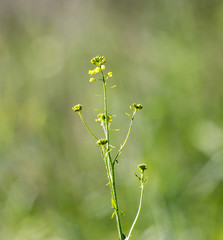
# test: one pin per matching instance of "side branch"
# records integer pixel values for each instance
(87, 126)
(126, 139)
(139, 208)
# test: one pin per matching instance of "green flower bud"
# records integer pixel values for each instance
(102, 118)
(137, 107)
(142, 167)
(101, 142)
(77, 108)
(98, 60)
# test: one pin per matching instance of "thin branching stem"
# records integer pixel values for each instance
(107, 169)
(110, 165)
(87, 126)
(109, 162)
(139, 208)
(126, 139)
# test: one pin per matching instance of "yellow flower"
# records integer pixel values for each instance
(102, 67)
(98, 60)
(92, 80)
(91, 72)
(97, 69)
(110, 74)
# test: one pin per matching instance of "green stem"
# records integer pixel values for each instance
(139, 209)
(87, 126)
(109, 162)
(118, 219)
(126, 139)
(108, 172)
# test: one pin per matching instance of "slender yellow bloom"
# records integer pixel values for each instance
(110, 74)
(97, 69)
(92, 80)
(91, 72)
(102, 67)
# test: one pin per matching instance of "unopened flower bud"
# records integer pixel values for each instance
(142, 167)
(77, 108)
(91, 72)
(98, 60)
(101, 142)
(137, 107)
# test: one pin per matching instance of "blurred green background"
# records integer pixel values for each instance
(166, 55)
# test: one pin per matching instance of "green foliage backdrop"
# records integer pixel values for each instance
(166, 55)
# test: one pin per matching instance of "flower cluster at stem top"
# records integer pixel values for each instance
(142, 167)
(98, 61)
(77, 108)
(137, 107)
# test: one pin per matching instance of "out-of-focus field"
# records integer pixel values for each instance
(166, 55)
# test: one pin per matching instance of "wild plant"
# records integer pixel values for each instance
(111, 162)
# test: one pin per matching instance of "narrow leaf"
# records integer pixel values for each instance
(137, 176)
(98, 110)
(121, 212)
(145, 180)
(113, 204)
(113, 214)
(109, 150)
(113, 86)
(127, 114)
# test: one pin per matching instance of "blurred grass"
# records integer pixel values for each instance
(163, 54)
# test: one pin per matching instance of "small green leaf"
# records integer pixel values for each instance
(145, 180)
(98, 95)
(98, 110)
(113, 214)
(137, 176)
(113, 204)
(111, 146)
(127, 114)
(121, 213)
(113, 86)
(109, 150)
(116, 130)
